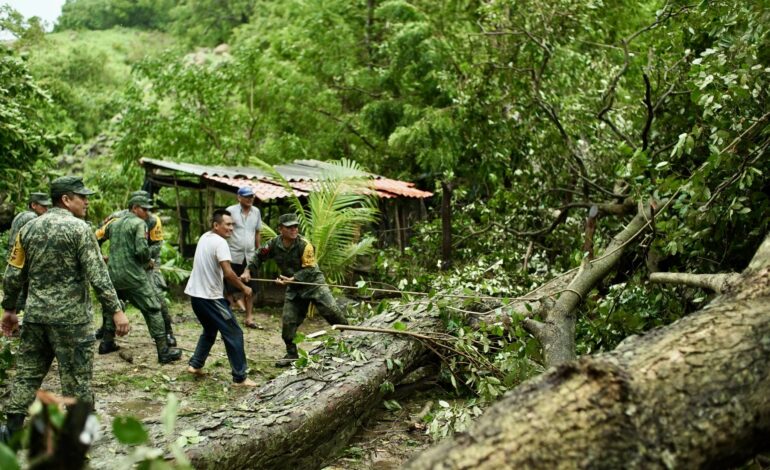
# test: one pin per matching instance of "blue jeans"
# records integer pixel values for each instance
(215, 316)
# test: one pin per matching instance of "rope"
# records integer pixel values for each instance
(396, 291)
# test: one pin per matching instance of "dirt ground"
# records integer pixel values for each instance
(131, 382)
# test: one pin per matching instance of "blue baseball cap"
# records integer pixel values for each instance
(246, 191)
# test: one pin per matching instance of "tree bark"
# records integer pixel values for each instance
(690, 395)
(302, 418)
(446, 224)
(719, 283)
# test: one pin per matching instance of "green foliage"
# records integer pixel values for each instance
(175, 268)
(85, 72)
(29, 130)
(451, 418)
(8, 458)
(334, 218)
(106, 14)
(130, 431)
(25, 31)
(209, 22)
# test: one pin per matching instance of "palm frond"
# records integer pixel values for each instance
(338, 208)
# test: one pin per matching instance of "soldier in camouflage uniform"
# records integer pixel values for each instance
(57, 256)
(295, 258)
(128, 263)
(38, 205)
(155, 239)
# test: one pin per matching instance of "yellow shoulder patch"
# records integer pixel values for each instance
(156, 234)
(308, 256)
(101, 232)
(17, 257)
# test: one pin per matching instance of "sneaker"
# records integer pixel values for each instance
(106, 347)
(286, 360)
(248, 383)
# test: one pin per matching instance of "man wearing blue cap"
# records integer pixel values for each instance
(243, 243)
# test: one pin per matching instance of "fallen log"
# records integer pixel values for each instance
(689, 395)
(304, 417)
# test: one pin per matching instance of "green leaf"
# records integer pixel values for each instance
(8, 458)
(168, 417)
(128, 430)
(399, 326)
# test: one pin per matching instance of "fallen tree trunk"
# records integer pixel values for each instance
(689, 395)
(302, 418)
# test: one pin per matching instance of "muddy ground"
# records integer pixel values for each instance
(133, 383)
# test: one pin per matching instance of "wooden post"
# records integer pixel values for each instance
(398, 226)
(210, 194)
(181, 236)
(201, 210)
(446, 224)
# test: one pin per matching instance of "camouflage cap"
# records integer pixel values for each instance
(288, 220)
(140, 201)
(69, 184)
(40, 198)
(141, 192)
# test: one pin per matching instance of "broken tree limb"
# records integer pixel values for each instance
(718, 283)
(689, 395)
(557, 299)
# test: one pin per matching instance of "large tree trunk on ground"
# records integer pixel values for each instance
(302, 418)
(690, 395)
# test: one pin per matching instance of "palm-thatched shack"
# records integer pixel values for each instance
(401, 203)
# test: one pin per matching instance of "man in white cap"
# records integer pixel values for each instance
(243, 244)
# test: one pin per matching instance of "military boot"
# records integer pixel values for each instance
(291, 356)
(107, 345)
(13, 424)
(165, 353)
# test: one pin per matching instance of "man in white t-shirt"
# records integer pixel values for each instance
(247, 222)
(205, 288)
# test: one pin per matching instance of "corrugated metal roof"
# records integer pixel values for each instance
(313, 170)
(213, 170)
(264, 191)
(301, 175)
(399, 188)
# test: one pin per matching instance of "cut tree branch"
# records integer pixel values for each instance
(719, 283)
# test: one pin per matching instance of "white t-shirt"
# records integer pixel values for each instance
(206, 280)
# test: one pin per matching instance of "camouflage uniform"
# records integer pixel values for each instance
(155, 239)
(128, 262)
(298, 261)
(57, 255)
(18, 222)
(129, 258)
(16, 225)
